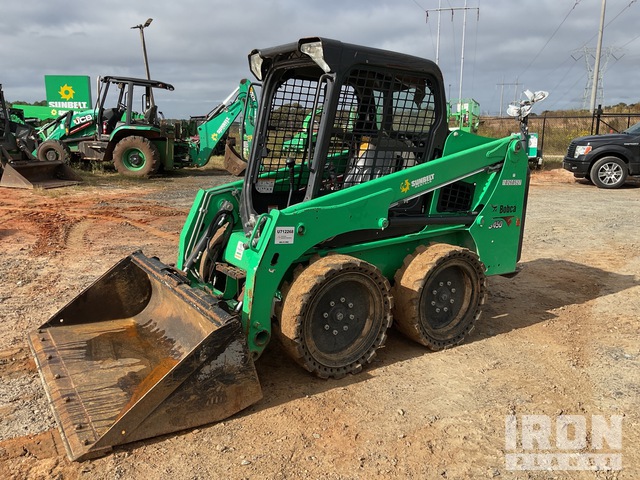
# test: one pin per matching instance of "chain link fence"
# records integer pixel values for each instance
(555, 133)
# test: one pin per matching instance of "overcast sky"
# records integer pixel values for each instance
(201, 47)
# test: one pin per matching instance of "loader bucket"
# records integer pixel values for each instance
(139, 354)
(38, 174)
(232, 162)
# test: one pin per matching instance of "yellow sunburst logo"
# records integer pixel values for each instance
(214, 137)
(66, 92)
(404, 186)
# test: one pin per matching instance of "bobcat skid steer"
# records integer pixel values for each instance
(381, 216)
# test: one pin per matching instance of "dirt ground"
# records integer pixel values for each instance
(561, 338)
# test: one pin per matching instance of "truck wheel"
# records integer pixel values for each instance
(136, 157)
(53, 150)
(609, 172)
(439, 293)
(335, 315)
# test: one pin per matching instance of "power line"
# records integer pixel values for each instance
(515, 92)
(550, 38)
(464, 24)
(608, 23)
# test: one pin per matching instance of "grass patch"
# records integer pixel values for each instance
(552, 162)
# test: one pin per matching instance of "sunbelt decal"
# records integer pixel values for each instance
(419, 182)
(67, 92)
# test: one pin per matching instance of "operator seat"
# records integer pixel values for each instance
(110, 117)
(378, 157)
(151, 115)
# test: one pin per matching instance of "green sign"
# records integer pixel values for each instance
(68, 92)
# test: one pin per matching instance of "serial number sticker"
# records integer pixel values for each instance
(265, 185)
(239, 250)
(516, 182)
(285, 235)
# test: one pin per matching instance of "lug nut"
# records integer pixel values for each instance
(350, 305)
(335, 332)
(327, 327)
(342, 300)
(332, 303)
(345, 328)
(351, 317)
(325, 315)
(340, 316)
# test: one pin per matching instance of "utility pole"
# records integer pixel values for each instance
(141, 27)
(149, 99)
(438, 34)
(596, 66)
(502, 85)
(452, 10)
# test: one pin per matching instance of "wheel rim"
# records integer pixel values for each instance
(51, 155)
(610, 173)
(340, 319)
(446, 299)
(133, 159)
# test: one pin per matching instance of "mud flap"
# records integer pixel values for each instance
(38, 174)
(138, 354)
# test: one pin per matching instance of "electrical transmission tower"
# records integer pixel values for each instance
(589, 55)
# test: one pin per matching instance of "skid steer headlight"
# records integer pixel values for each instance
(582, 150)
(255, 65)
(314, 50)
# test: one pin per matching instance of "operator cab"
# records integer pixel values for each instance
(119, 98)
(366, 111)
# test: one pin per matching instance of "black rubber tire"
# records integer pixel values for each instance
(136, 156)
(53, 150)
(439, 293)
(335, 315)
(608, 172)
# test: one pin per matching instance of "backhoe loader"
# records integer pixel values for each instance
(139, 144)
(18, 167)
(382, 216)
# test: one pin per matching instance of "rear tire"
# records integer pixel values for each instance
(608, 172)
(335, 316)
(53, 150)
(439, 293)
(136, 156)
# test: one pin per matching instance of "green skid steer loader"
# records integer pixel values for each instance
(384, 216)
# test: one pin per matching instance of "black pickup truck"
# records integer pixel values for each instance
(606, 160)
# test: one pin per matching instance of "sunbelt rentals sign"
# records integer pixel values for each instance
(67, 92)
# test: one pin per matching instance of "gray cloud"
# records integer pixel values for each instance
(201, 47)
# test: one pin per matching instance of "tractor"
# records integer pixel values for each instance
(139, 144)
